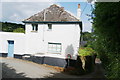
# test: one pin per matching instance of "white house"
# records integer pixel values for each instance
(52, 34)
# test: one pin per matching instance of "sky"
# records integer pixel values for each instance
(16, 12)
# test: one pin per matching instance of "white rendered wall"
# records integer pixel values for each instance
(19, 42)
(37, 42)
(66, 34)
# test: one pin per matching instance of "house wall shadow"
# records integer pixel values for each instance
(69, 50)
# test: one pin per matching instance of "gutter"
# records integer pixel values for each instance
(53, 22)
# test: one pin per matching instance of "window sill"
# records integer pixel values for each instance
(34, 31)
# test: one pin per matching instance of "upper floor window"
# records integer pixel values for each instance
(34, 27)
(49, 26)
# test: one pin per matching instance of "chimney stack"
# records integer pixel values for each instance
(62, 8)
(78, 5)
(78, 12)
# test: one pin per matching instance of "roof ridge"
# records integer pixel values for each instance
(53, 13)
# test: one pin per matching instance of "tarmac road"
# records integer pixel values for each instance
(25, 68)
(17, 68)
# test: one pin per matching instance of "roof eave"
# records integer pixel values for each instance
(53, 22)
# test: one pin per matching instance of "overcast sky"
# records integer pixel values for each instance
(18, 11)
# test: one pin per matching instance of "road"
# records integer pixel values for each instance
(17, 68)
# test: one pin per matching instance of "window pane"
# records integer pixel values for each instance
(50, 26)
(59, 49)
(36, 28)
(32, 27)
(54, 47)
(59, 46)
(50, 45)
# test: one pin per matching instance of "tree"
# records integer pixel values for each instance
(19, 30)
(86, 36)
(9, 27)
(107, 30)
(89, 38)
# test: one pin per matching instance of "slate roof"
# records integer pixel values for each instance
(53, 13)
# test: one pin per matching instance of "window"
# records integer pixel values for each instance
(34, 27)
(54, 47)
(49, 26)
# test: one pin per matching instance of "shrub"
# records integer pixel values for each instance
(87, 56)
(19, 30)
(86, 51)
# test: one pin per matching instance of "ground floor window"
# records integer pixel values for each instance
(54, 47)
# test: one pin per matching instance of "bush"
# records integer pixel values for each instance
(87, 56)
(86, 51)
(19, 30)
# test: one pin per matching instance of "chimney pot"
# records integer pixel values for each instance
(78, 12)
(78, 5)
(62, 7)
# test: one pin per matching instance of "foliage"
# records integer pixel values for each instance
(90, 38)
(106, 28)
(86, 36)
(19, 30)
(87, 56)
(0, 26)
(86, 51)
(10, 27)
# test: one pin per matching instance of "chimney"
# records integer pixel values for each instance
(62, 8)
(78, 12)
(78, 5)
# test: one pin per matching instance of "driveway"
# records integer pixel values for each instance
(17, 68)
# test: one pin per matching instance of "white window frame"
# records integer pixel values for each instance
(54, 47)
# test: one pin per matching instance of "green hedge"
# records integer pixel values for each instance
(106, 25)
